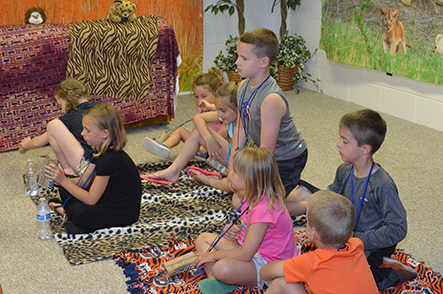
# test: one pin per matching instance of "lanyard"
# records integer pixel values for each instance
(245, 114)
(357, 216)
(221, 235)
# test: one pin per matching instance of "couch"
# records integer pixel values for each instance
(34, 59)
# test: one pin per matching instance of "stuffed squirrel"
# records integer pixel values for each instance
(122, 11)
(35, 15)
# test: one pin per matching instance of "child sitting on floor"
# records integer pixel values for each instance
(338, 264)
(218, 147)
(108, 193)
(381, 217)
(266, 232)
(204, 85)
(64, 133)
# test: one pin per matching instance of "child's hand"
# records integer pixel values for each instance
(215, 150)
(206, 106)
(233, 233)
(54, 173)
(24, 142)
(202, 258)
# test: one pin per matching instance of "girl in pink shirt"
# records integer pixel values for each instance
(266, 232)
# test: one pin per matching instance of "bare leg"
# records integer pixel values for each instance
(188, 152)
(69, 151)
(297, 200)
(279, 286)
(177, 136)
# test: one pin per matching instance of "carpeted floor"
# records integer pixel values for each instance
(411, 154)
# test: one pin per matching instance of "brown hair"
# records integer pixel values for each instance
(72, 90)
(366, 126)
(106, 117)
(212, 80)
(332, 216)
(228, 94)
(258, 169)
(265, 42)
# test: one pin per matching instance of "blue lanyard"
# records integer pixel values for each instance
(364, 192)
(245, 114)
(70, 195)
(221, 236)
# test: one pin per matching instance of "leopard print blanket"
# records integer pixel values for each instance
(182, 210)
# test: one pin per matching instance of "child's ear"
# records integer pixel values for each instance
(264, 62)
(105, 133)
(366, 149)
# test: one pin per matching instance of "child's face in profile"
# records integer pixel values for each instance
(235, 182)
(61, 103)
(248, 64)
(203, 97)
(92, 134)
(348, 146)
(226, 114)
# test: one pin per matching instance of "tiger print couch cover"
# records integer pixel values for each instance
(34, 59)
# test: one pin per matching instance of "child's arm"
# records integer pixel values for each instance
(272, 110)
(272, 270)
(36, 142)
(90, 197)
(253, 240)
(201, 122)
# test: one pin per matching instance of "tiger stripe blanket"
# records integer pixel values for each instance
(144, 268)
(114, 59)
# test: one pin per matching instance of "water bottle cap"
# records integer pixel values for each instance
(42, 199)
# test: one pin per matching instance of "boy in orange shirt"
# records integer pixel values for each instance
(338, 265)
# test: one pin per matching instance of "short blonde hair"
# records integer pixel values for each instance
(106, 117)
(258, 169)
(72, 90)
(332, 216)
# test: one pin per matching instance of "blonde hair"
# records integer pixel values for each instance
(72, 90)
(258, 170)
(212, 80)
(227, 93)
(106, 117)
(332, 216)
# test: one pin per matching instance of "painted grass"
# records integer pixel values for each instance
(351, 42)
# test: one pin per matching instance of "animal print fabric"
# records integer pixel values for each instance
(144, 269)
(114, 59)
(183, 209)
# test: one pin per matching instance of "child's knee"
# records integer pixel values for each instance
(53, 125)
(203, 241)
(222, 270)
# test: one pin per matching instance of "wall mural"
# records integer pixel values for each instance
(185, 16)
(399, 37)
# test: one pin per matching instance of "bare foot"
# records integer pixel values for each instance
(58, 208)
(200, 177)
(165, 174)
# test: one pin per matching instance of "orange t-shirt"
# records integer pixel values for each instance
(332, 271)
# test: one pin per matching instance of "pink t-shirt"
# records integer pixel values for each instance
(279, 241)
(214, 126)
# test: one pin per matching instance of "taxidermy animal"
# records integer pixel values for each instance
(393, 31)
(35, 15)
(122, 11)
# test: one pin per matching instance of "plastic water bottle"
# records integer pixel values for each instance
(217, 166)
(43, 220)
(31, 187)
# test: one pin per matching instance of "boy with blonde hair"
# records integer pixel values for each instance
(264, 117)
(338, 265)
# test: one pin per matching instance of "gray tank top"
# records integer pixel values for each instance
(290, 142)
